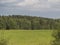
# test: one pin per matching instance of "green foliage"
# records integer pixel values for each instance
(57, 38)
(28, 22)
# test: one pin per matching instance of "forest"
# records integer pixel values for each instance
(25, 30)
(28, 22)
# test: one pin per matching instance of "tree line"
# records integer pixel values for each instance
(28, 22)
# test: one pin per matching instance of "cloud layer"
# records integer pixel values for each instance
(34, 3)
(54, 1)
(37, 4)
(27, 6)
(7, 1)
(40, 3)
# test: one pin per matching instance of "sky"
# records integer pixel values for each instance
(42, 8)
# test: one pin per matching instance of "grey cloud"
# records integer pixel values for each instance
(42, 3)
(55, 5)
(6, 4)
(12, 8)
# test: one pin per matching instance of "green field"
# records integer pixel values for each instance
(27, 37)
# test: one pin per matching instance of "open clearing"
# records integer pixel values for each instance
(27, 37)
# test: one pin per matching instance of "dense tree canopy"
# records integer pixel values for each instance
(28, 22)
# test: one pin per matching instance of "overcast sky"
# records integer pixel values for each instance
(44, 8)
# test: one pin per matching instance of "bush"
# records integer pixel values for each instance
(57, 38)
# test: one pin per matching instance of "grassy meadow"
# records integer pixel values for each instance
(27, 37)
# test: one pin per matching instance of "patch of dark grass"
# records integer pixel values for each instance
(3, 42)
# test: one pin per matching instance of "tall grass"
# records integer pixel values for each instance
(27, 37)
